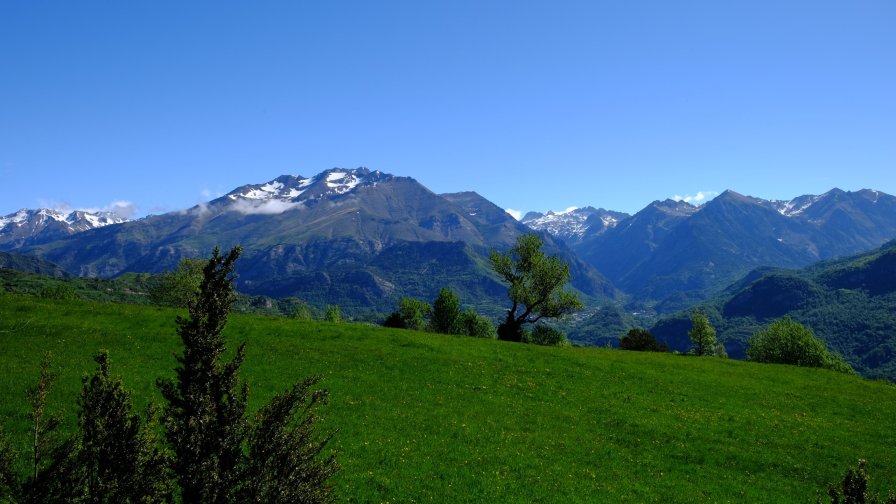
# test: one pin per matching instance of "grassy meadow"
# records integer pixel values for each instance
(431, 418)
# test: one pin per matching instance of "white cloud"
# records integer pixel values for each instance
(516, 214)
(697, 199)
(267, 207)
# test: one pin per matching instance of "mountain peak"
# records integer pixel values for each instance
(288, 191)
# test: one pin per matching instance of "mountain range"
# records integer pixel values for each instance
(674, 253)
(358, 238)
(364, 238)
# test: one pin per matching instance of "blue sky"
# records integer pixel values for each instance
(535, 105)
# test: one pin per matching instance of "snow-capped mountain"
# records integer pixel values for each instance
(289, 191)
(28, 227)
(572, 223)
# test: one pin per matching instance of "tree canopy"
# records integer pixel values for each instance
(536, 285)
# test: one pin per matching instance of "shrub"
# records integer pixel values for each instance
(642, 341)
(473, 324)
(786, 341)
(59, 291)
(543, 334)
(333, 314)
(411, 314)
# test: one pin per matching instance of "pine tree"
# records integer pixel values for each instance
(115, 451)
(205, 416)
(285, 456)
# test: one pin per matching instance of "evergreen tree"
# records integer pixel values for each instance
(285, 456)
(205, 416)
(536, 286)
(446, 313)
(115, 452)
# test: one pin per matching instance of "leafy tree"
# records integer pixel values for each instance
(473, 324)
(703, 336)
(543, 334)
(204, 418)
(411, 314)
(181, 286)
(333, 314)
(445, 317)
(786, 341)
(286, 465)
(642, 341)
(536, 286)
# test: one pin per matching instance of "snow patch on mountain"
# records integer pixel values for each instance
(288, 192)
(571, 223)
(796, 206)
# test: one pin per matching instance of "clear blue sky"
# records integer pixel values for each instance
(535, 105)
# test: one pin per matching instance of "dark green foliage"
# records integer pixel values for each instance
(411, 314)
(473, 324)
(116, 455)
(286, 464)
(9, 484)
(642, 341)
(301, 311)
(205, 416)
(536, 285)
(205, 421)
(786, 341)
(543, 334)
(59, 291)
(333, 314)
(703, 336)
(445, 316)
(181, 286)
(854, 489)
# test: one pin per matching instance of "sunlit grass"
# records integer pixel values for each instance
(422, 417)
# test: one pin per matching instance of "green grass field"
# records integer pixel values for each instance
(431, 418)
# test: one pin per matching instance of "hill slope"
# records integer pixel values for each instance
(848, 302)
(422, 417)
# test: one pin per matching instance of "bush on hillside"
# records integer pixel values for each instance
(543, 334)
(641, 340)
(333, 314)
(59, 291)
(411, 314)
(786, 341)
(473, 324)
